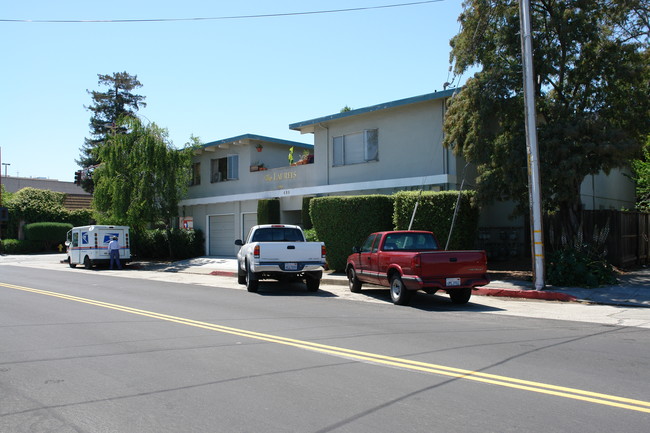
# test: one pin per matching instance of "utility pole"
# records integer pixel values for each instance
(534, 183)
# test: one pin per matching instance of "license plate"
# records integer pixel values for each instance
(292, 267)
(453, 282)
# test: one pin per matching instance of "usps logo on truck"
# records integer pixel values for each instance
(109, 236)
(84, 238)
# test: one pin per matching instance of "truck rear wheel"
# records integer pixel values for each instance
(252, 283)
(460, 296)
(398, 292)
(312, 280)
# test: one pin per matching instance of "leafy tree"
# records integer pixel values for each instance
(641, 168)
(107, 107)
(591, 60)
(142, 177)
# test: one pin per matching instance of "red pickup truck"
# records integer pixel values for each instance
(410, 260)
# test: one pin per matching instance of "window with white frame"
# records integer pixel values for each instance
(222, 169)
(356, 148)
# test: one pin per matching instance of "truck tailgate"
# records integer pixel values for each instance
(437, 264)
(279, 252)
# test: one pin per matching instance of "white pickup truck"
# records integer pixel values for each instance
(280, 252)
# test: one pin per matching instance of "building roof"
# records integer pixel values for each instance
(13, 184)
(255, 139)
(302, 126)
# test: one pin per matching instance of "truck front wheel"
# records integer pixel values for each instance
(252, 283)
(87, 263)
(398, 292)
(460, 296)
(241, 275)
(353, 282)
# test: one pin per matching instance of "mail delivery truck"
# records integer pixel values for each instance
(88, 245)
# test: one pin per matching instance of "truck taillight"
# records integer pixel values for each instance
(415, 262)
(256, 252)
(323, 251)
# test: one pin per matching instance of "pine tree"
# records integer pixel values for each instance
(107, 107)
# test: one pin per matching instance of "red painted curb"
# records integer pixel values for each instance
(223, 273)
(528, 294)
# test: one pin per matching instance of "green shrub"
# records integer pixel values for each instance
(311, 235)
(435, 213)
(268, 211)
(573, 268)
(306, 217)
(47, 234)
(577, 262)
(14, 246)
(158, 244)
(30, 205)
(345, 222)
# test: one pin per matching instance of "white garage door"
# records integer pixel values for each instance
(248, 221)
(222, 235)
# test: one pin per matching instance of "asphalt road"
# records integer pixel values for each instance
(102, 351)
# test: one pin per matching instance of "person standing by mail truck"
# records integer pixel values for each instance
(114, 252)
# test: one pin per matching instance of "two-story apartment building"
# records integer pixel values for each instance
(374, 150)
(379, 149)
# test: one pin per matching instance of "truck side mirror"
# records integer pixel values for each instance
(239, 242)
(356, 249)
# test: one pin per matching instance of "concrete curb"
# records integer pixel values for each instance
(527, 294)
(482, 291)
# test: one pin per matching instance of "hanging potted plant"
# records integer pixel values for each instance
(259, 147)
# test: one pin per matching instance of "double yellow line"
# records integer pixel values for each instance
(407, 364)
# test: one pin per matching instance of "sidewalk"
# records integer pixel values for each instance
(633, 288)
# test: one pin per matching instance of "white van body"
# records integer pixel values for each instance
(88, 245)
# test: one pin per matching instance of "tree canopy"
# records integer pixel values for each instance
(142, 176)
(591, 61)
(107, 107)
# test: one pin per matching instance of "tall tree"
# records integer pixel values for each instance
(142, 176)
(591, 60)
(107, 107)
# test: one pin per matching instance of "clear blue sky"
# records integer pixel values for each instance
(211, 78)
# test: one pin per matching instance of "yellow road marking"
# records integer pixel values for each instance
(459, 373)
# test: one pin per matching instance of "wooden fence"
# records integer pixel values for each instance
(628, 240)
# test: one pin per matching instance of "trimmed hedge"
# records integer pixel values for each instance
(345, 222)
(47, 235)
(155, 244)
(268, 211)
(435, 213)
(14, 246)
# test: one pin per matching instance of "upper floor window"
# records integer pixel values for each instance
(356, 148)
(196, 174)
(224, 168)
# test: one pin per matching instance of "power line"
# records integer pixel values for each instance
(234, 17)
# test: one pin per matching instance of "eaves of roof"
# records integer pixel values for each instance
(386, 105)
(253, 138)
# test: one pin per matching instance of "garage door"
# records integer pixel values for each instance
(248, 221)
(222, 235)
